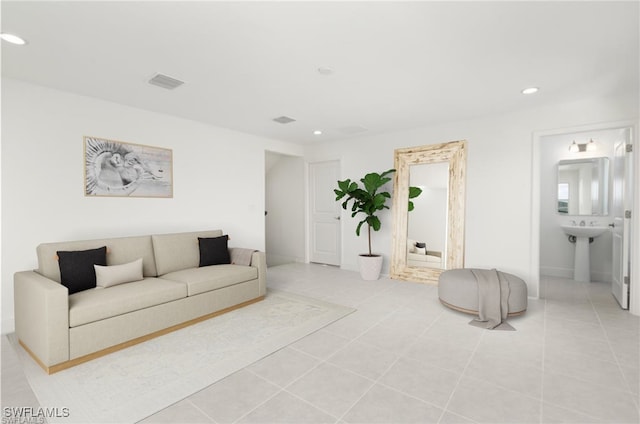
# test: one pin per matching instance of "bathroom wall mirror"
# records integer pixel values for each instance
(583, 186)
(430, 238)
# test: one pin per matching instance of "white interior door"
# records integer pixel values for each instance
(622, 178)
(325, 237)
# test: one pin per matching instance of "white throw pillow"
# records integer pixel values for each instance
(421, 250)
(108, 276)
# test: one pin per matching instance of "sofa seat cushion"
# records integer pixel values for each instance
(207, 278)
(97, 304)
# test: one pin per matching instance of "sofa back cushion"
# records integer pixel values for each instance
(119, 251)
(174, 252)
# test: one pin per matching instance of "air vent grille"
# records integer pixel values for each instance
(165, 81)
(353, 129)
(284, 119)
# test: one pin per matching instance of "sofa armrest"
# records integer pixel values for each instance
(259, 260)
(42, 316)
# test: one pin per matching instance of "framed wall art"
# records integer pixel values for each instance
(118, 169)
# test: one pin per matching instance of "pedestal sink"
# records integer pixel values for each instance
(582, 263)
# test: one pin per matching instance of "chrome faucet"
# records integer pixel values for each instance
(582, 223)
(573, 222)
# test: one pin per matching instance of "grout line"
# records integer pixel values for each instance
(199, 409)
(464, 370)
(615, 356)
(544, 350)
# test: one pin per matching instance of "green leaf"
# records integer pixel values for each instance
(414, 192)
(374, 221)
(410, 205)
(378, 201)
(344, 185)
(385, 173)
(358, 227)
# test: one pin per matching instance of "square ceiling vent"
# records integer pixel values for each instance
(165, 81)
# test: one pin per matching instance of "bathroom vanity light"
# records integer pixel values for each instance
(582, 147)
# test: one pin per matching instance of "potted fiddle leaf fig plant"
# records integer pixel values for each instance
(367, 200)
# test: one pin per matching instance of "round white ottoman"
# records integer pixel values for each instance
(458, 289)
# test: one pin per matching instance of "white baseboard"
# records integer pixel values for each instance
(556, 272)
(568, 273)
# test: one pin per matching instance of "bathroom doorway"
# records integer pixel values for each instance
(585, 178)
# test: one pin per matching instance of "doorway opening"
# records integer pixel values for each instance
(585, 187)
(284, 209)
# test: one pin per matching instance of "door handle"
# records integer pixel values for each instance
(612, 225)
(336, 217)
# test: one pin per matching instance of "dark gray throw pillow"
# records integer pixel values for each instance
(76, 268)
(421, 245)
(214, 250)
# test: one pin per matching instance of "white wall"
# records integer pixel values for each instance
(556, 253)
(499, 178)
(285, 204)
(218, 177)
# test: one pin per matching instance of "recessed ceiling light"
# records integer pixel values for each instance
(530, 90)
(317, 132)
(13, 39)
(325, 70)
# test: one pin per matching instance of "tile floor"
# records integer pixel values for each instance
(404, 358)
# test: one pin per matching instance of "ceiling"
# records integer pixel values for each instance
(396, 65)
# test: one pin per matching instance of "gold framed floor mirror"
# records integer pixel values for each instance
(430, 238)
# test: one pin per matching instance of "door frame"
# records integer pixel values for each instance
(534, 270)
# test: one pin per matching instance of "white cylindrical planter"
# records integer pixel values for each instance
(370, 266)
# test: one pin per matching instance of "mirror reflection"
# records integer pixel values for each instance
(427, 223)
(430, 238)
(583, 186)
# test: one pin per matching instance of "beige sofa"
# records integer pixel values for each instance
(61, 330)
(421, 257)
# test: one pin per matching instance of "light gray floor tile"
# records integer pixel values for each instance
(443, 354)
(368, 361)
(592, 399)
(330, 389)
(451, 418)
(388, 338)
(355, 324)
(486, 403)
(321, 344)
(552, 414)
(182, 412)
(284, 366)
(626, 353)
(632, 377)
(509, 373)
(455, 329)
(512, 345)
(584, 367)
(421, 380)
(234, 396)
(574, 344)
(286, 408)
(564, 327)
(384, 405)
